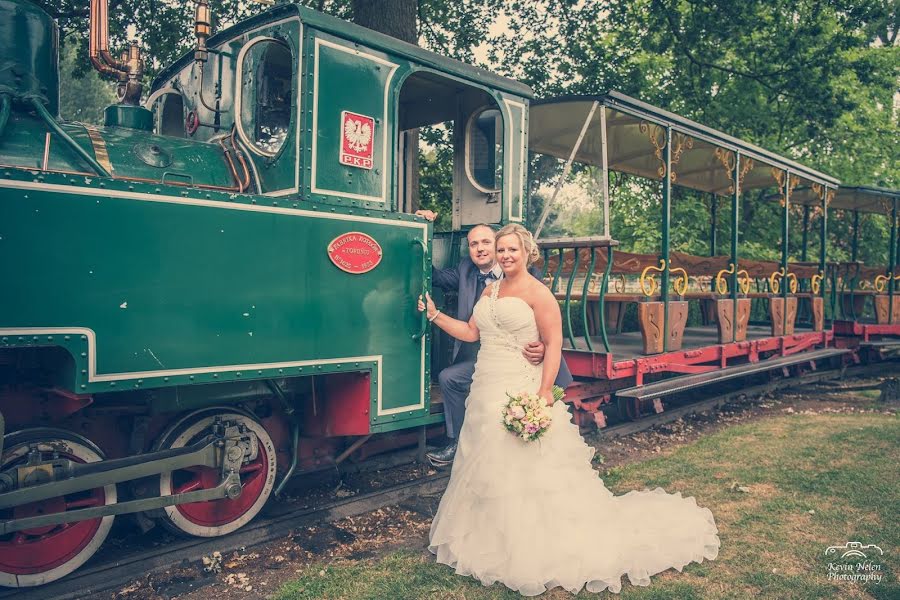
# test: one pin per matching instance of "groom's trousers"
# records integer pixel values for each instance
(455, 382)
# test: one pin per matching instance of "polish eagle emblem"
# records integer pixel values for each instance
(358, 134)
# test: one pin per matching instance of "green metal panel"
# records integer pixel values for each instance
(344, 77)
(147, 290)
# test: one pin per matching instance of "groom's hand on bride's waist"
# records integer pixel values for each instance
(534, 352)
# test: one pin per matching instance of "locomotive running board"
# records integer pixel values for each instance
(683, 383)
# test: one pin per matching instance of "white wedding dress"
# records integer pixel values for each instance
(535, 515)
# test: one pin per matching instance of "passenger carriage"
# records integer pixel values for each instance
(748, 308)
(864, 298)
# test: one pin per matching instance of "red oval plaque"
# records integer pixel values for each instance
(354, 252)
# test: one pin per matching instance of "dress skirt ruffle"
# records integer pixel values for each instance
(536, 515)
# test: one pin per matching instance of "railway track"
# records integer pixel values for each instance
(117, 568)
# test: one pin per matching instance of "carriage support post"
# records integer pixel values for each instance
(666, 224)
(735, 209)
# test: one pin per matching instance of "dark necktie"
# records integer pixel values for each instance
(481, 282)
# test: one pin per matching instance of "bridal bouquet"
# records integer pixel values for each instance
(527, 415)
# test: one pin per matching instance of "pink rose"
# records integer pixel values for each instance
(518, 412)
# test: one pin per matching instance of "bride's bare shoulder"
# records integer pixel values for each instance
(540, 293)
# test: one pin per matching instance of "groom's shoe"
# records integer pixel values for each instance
(442, 457)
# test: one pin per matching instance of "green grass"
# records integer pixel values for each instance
(814, 481)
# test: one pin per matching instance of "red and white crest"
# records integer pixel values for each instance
(357, 140)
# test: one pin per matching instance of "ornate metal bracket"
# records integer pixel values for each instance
(721, 284)
(654, 132)
(680, 285)
(743, 280)
(680, 143)
(881, 281)
(816, 282)
(650, 280)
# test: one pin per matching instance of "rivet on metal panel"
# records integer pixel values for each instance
(215, 375)
(281, 370)
(84, 371)
(36, 338)
(49, 338)
(65, 337)
(84, 337)
(112, 384)
(165, 378)
(83, 354)
(191, 377)
(83, 386)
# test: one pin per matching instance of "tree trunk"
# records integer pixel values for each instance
(396, 18)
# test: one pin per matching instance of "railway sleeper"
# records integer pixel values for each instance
(225, 449)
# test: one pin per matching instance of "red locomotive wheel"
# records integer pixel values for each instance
(217, 517)
(44, 554)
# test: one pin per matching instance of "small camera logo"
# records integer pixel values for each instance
(854, 550)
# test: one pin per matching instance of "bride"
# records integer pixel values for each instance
(535, 515)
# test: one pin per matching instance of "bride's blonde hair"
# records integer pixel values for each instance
(526, 240)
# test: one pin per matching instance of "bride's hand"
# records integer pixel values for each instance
(428, 306)
(547, 396)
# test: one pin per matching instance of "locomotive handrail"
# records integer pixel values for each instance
(423, 315)
(51, 122)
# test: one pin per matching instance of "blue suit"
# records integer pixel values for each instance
(456, 380)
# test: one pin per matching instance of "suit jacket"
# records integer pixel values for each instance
(463, 280)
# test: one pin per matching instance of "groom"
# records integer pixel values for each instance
(468, 280)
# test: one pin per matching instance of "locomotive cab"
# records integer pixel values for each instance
(327, 112)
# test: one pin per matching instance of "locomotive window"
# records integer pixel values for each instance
(484, 149)
(267, 80)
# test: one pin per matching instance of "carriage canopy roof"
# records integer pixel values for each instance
(865, 199)
(702, 157)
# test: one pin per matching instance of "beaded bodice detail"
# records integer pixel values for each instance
(505, 324)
